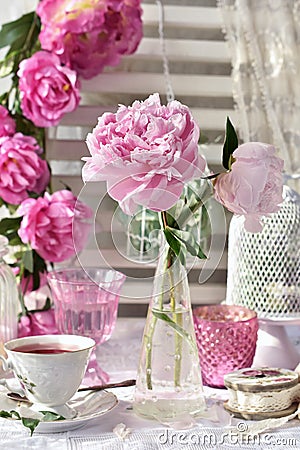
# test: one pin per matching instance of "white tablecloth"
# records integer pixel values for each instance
(119, 357)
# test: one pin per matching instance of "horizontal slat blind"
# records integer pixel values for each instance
(189, 17)
(187, 50)
(187, 85)
(200, 76)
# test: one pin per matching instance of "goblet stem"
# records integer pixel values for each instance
(94, 373)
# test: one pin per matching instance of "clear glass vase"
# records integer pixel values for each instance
(169, 383)
(9, 298)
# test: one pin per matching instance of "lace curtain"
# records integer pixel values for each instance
(264, 40)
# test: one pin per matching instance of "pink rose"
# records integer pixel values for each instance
(56, 225)
(253, 187)
(7, 124)
(146, 153)
(38, 323)
(88, 35)
(21, 168)
(48, 90)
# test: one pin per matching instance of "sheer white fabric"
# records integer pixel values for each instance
(264, 39)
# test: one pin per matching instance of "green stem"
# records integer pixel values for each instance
(34, 24)
(149, 341)
(150, 332)
(177, 318)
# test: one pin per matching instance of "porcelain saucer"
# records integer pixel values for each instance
(88, 405)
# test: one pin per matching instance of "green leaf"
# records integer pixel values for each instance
(39, 266)
(230, 144)
(27, 127)
(30, 423)
(34, 266)
(47, 304)
(7, 65)
(175, 245)
(8, 224)
(10, 414)
(9, 228)
(198, 196)
(19, 28)
(5, 414)
(50, 416)
(176, 327)
(14, 239)
(190, 243)
(28, 260)
(3, 102)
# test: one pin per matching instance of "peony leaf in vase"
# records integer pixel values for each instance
(230, 144)
(176, 327)
(192, 246)
(175, 244)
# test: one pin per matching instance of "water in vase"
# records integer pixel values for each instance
(170, 384)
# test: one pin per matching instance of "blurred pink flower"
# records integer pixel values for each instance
(88, 35)
(48, 90)
(21, 168)
(7, 124)
(253, 187)
(56, 225)
(146, 153)
(37, 323)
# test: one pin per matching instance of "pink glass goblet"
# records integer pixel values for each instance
(86, 303)
(226, 339)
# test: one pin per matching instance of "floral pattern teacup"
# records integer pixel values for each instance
(50, 368)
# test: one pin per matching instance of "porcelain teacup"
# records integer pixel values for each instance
(50, 368)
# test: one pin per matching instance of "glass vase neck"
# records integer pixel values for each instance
(170, 288)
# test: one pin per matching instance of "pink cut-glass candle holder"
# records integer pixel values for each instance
(226, 339)
(86, 303)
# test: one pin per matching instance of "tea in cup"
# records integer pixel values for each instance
(49, 368)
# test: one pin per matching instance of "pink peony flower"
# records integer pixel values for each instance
(7, 124)
(146, 153)
(21, 168)
(38, 323)
(88, 35)
(253, 187)
(56, 225)
(48, 90)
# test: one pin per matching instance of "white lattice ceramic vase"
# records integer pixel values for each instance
(264, 268)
